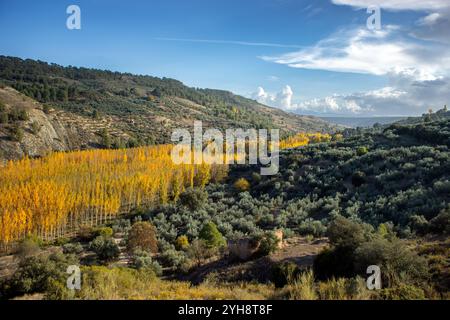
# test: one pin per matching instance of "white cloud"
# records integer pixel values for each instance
(273, 78)
(231, 42)
(282, 99)
(417, 5)
(434, 26)
(417, 72)
(404, 96)
(378, 53)
(430, 19)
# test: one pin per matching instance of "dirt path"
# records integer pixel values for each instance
(297, 250)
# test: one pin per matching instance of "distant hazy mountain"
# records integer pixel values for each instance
(354, 122)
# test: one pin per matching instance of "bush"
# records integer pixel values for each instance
(3, 117)
(105, 248)
(35, 274)
(346, 233)
(142, 235)
(334, 289)
(284, 273)
(182, 242)
(104, 232)
(268, 243)
(143, 260)
(334, 262)
(402, 292)
(361, 151)
(18, 115)
(173, 258)
(16, 133)
(212, 236)
(441, 223)
(358, 178)
(242, 185)
(302, 288)
(312, 227)
(122, 225)
(398, 263)
(86, 233)
(72, 248)
(193, 198)
(46, 108)
(199, 251)
(30, 246)
(35, 127)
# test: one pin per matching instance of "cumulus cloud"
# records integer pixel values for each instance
(417, 72)
(282, 99)
(404, 96)
(371, 52)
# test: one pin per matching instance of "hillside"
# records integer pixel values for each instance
(381, 197)
(129, 109)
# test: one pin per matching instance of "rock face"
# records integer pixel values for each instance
(243, 249)
(44, 132)
(279, 235)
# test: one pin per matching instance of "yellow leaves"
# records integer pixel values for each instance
(65, 190)
(302, 139)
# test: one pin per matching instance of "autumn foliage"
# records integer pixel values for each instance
(61, 193)
(302, 139)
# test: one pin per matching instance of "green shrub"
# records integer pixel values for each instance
(3, 117)
(199, 252)
(212, 236)
(303, 287)
(30, 246)
(193, 198)
(361, 151)
(72, 248)
(441, 223)
(173, 258)
(402, 292)
(334, 289)
(104, 232)
(242, 185)
(86, 233)
(16, 133)
(35, 274)
(182, 242)
(346, 233)
(268, 243)
(46, 109)
(143, 260)
(35, 127)
(284, 273)
(105, 248)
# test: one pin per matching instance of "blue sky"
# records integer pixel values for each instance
(285, 53)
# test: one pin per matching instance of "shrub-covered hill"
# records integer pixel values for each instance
(400, 174)
(143, 107)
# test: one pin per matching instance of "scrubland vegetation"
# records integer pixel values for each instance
(380, 197)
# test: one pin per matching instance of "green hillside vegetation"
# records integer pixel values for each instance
(381, 197)
(145, 107)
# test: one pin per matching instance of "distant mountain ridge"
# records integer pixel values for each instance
(363, 122)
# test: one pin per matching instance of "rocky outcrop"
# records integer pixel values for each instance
(53, 130)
